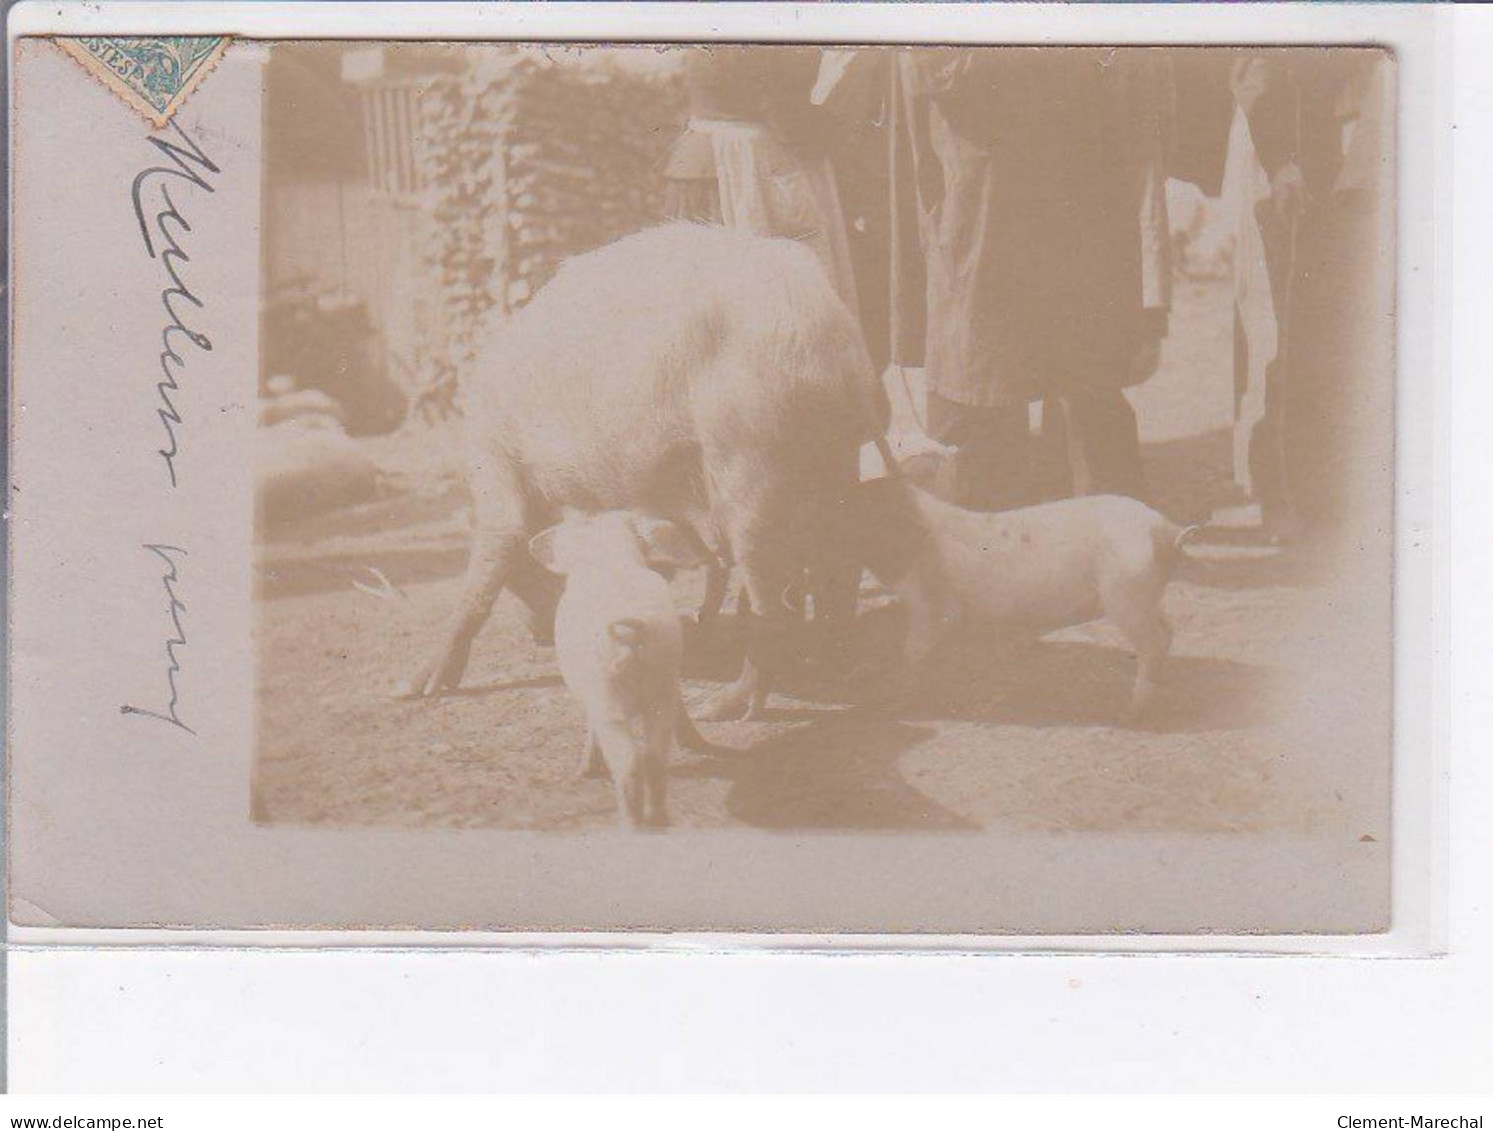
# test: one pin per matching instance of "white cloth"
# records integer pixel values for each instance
(794, 199)
(1246, 184)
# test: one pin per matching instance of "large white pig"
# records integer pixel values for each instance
(620, 645)
(689, 372)
(1039, 568)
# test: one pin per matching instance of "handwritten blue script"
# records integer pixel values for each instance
(177, 163)
(163, 236)
(169, 557)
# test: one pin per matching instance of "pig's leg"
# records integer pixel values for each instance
(835, 586)
(837, 581)
(655, 782)
(766, 574)
(592, 765)
(1151, 637)
(746, 697)
(539, 590)
(925, 628)
(626, 758)
(717, 577)
(897, 684)
(926, 625)
(493, 553)
(654, 754)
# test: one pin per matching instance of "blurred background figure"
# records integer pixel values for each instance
(1308, 162)
(1030, 168)
(1144, 93)
(857, 90)
(754, 153)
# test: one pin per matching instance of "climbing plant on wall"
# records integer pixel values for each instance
(461, 154)
(529, 157)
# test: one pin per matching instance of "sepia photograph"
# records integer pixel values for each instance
(626, 547)
(877, 440)
(757, 488)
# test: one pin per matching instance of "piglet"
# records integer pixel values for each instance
(1039, 568)
(620, 644)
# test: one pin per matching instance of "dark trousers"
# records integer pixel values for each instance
(1089, 445)
(1266, 445)
(1092, 444)
(1308, 451)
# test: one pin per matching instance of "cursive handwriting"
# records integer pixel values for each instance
(176, 607)
(190, 164)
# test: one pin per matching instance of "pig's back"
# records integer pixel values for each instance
(1046, 565)
(607, 383)
(1140, 539)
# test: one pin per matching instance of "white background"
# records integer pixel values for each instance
(161, 1021)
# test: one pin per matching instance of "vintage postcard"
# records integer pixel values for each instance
(833, 491)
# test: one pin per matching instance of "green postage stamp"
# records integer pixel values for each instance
(154, 74)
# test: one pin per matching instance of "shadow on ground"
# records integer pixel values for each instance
(396, 510)
(987, 677)
(839, 771)
(1282, 570)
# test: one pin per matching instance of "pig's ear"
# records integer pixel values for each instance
(664, 544)
(543, 550)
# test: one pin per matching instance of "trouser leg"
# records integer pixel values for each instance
(990, 468)
(1103, 442)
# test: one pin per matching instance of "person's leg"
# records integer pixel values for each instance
(1103, 442)
(990, 468)
(1054, 472)
(995, 474)
(1267, 462)
(1241, 361)
(1330, 327)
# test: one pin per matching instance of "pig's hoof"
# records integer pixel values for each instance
(413, 689)
(425, 685)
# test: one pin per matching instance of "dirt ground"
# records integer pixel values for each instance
(1272, 716)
